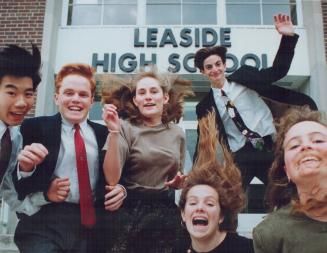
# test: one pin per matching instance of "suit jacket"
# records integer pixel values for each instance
(261, 81)
(47, 131)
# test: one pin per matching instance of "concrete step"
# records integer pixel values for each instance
(7, 244)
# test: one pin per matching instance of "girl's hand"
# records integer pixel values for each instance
(177, 182)
(110, 117)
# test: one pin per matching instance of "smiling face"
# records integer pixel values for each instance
(16, 99)
(202, 213)
(74, 98)
(305, 151)
(214, 69)
(150, 99)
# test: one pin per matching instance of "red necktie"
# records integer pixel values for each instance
(86, 199)
(5, 152)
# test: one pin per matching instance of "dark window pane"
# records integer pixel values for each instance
(163, 2)
(199, 14)
(120, 1)
(86, 15)
(242, 1)
(269, 10)
(87, 2)
(276, 1)
(163, 14)
(114, 14)
(243, 14)
(197, 1)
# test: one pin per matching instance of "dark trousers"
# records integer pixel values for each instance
(254, 163)
(56, 228)
(145, 223)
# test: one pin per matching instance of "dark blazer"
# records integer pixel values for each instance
(261, 81)
(47, 131)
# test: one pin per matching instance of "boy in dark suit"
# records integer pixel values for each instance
(244, 121)
(19, 78)
(63, 158)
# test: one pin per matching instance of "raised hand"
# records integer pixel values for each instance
(110, 117)
(177, 182)
(58, 190)
(31, 156)
(284, 24)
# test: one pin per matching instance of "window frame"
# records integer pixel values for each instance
(141, 16)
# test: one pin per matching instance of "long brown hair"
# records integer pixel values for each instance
(120, 92)
(224, 176)
(280, 191)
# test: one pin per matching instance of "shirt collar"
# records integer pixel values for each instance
(67, 126)
(226, 87)
(3, 128)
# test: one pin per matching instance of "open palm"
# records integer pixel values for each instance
(284, 24)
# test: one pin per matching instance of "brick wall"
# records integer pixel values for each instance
(324, 17)
(21, 22)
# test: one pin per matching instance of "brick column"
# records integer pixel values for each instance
(324, 18)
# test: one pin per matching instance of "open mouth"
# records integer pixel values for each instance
(200, 221)
(75, 108)
(18, 114)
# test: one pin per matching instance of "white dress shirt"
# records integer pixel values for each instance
(66, 162)
(253, 110)
(33, 202)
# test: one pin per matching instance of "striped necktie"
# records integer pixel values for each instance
(255, 138)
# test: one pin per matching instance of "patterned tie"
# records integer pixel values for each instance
(86, 199)
(255, 138)
(5, 152)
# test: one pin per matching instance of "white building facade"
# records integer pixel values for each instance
(120, 37)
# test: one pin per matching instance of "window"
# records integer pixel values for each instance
(120, 12)
(102, 12)
(186, 12)
(258, 12)
(178, 12)
(167, 12)
(199, 12)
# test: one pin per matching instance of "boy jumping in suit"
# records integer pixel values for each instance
(63, 157)
(244, 121)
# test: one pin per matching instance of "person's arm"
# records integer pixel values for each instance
(57, 192)
(259, 243)
(256, 79)
(30, 158)
(285, 53)
(268, 236)
(178, 181)
(114, 197)
(29, 205)
(112, 165)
